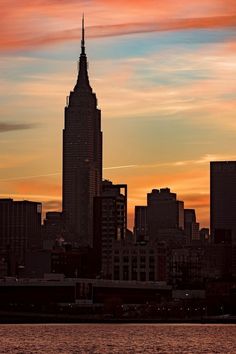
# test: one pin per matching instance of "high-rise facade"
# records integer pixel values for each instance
(82, 157)
(223, 198)
(110, 222)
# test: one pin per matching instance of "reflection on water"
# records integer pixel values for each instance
(117, 338)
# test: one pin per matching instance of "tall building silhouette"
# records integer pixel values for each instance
(82, 156)
(110, 222)
(164, 211)
(223, 199)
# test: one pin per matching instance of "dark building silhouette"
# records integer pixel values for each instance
(158, 227)
(82, 157)
(223, 236)
(162, 220)
(186, 270)
(53, 227)
(218, 261)
(20, 229)
(204, 235)
(110, 222)
(223, 200)
(164, 212)
(191, 226)
(37, 263)
(223, 206)
(73, 263)
(141, 261)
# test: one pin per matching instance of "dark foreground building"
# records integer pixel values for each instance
(110, 223)
(223, 206)
(223, 200)
(20, 230)
(82, 157)
(55, 299)
(57, 289)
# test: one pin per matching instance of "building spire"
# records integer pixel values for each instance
(82, 40)
(83, 80)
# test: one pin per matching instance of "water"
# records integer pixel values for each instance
(117, 338)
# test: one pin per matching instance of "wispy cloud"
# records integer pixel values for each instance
(29, 177)
(120, 29)
(144, 27)
(28, 24)
(8, 127)
(120, 167)
(205, 159)
(196, 86)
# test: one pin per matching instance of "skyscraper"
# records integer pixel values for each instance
(82, 156)
(164, 211)
(110, 222)
(223, 199)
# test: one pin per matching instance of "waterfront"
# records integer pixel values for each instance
(117, 338)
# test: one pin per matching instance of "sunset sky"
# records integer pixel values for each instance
(165, 77)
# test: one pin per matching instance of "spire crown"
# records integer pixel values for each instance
(82, 84)
(82, 40)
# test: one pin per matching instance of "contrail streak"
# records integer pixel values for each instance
(203, 160)
(59, 173)
(29, 177)
(119, 167)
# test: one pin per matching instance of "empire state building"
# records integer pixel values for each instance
(82, 156)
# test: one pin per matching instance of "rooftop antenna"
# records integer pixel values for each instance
(82, 40)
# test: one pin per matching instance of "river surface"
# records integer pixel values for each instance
(117, 338)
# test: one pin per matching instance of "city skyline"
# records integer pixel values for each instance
(165, 84)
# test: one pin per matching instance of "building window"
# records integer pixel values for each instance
(142, 259)
(151, 276)
(151, 259)
(116, 273)
(125, 273)
(142, 276)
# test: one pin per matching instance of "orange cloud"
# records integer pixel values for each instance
(205, 100)
(40, 187)
(28, 24)
(13, 43)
